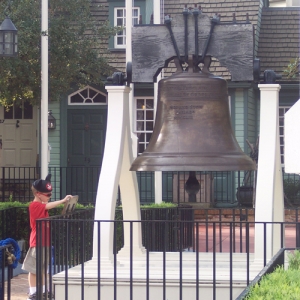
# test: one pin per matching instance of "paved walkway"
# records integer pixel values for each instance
(19, 287)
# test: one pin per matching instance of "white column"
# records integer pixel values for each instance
(134, 139)
(130, 199)
(111, 169)
(115, 168)
(44, 89)
(269, 205)
(157, 175)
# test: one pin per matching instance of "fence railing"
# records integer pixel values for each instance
(14, 221)
(218, 189)
(5, 274)
(225, 248)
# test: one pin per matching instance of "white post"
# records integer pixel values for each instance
(134, 139)
(115, 168)
(269, 204)
(44, 89)
(157, 175)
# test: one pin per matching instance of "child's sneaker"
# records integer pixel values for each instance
(32, 297)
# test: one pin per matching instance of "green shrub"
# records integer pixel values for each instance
(14, 219)
(294, 260)
(291, 188)
(156, 205)
(5, 205)
(159, 205)
(280, 284)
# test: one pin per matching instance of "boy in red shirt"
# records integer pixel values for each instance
(38, 209)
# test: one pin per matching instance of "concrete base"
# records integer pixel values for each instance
(156, 277)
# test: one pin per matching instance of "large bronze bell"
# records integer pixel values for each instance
(193, 129)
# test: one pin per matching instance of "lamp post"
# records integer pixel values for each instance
(44, 88)
(8, 39)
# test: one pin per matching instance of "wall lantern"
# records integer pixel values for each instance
(8, 38)
(51, 120)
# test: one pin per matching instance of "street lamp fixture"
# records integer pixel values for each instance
(8, 39)
(51, 120)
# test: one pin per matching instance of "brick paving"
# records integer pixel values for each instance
(19, 287)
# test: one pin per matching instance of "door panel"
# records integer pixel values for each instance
(19, 142)
(86, 138)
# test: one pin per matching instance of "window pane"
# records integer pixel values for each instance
(140, 115)
(28, 111)
(84, 93)
(76, 99)
(148, 136)
(142, 137)
(120, 41)
(140, 126)
(100, 98)
(140, 103)
(18, 112)
(281, 140)
(149, 103)
(92, 93)
(149, 125)
(119, 13)
(281, 130)
(141, 148)
(281, 112)
(149, 115)
(8, 114)
(135, 12)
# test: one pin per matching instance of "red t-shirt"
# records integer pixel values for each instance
(37, 210)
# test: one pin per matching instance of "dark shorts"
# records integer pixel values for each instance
(29, 263)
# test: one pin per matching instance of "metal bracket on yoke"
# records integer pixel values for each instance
(268, 77)
(119, 78)
(168, 20)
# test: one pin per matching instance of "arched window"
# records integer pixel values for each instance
(87, 95)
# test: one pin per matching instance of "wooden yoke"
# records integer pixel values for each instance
(229, 42)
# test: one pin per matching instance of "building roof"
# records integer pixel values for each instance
(279, 38)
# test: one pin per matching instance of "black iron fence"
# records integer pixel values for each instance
(6, 272)
(276, 261)
(217, 189)
(14, 222)
(219, 252)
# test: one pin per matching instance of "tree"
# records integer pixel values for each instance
(77, 50)
(292, 69)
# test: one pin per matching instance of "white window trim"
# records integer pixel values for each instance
(135, 118)
(116, 45)
(87, 103)
(285, 108)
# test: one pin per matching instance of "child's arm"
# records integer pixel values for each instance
(53, 204)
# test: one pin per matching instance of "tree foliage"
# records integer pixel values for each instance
(292, 69)
(77, 48)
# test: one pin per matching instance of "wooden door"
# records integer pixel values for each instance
(86, 138)
(19, 137)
